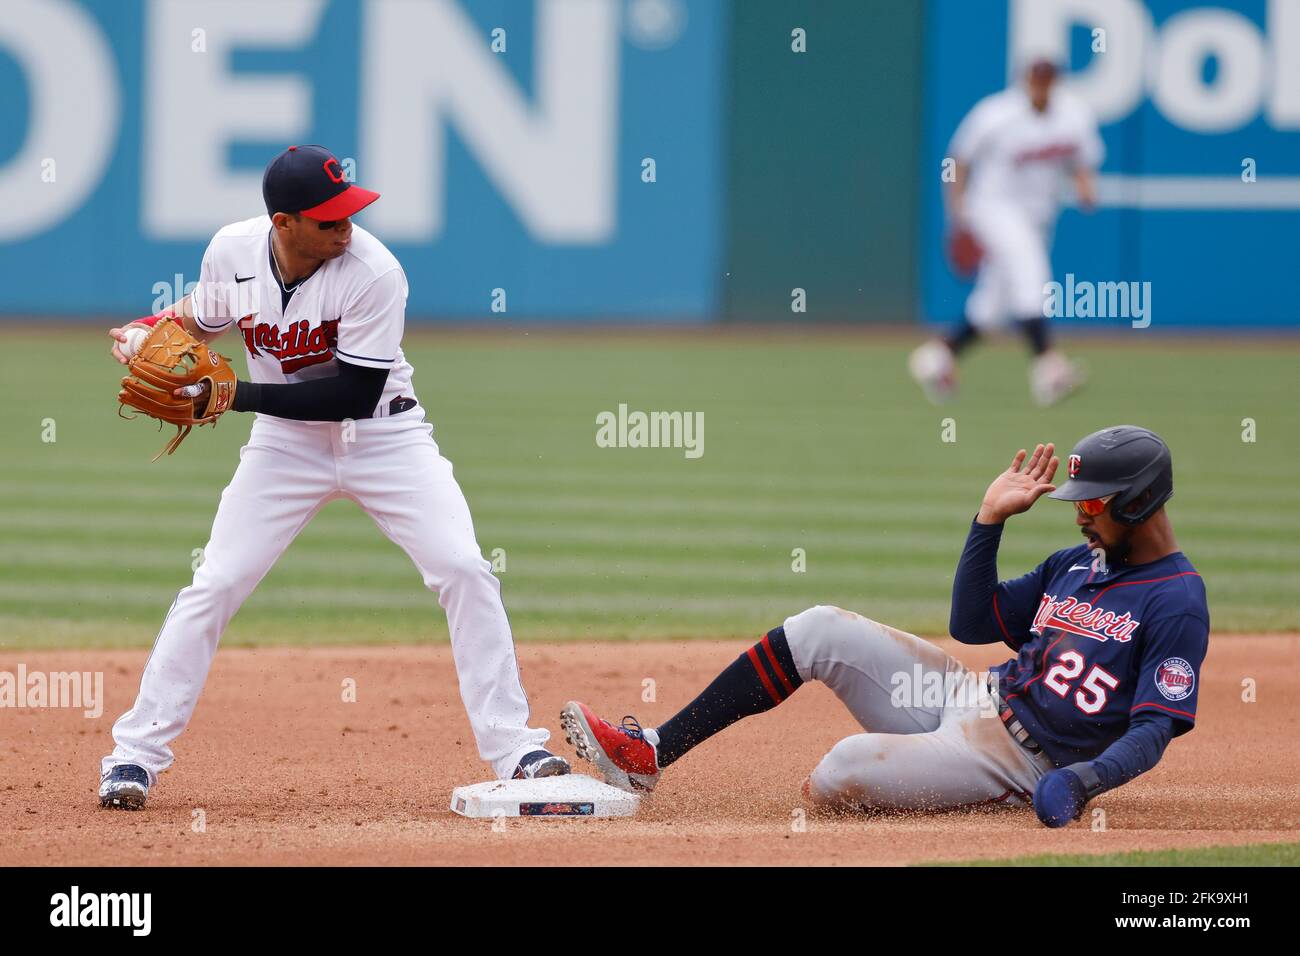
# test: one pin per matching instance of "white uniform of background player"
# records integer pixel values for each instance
(351, 308)
(1015, 152)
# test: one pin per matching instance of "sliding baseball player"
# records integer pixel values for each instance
(1108, 637)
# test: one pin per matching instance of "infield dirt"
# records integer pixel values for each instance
(279, 769)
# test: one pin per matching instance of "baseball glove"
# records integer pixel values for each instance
(964, 253)
(170, 359)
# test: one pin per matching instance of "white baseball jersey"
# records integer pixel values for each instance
(1020, 156)
(352, 308)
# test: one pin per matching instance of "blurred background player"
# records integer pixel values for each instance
(1014, 152)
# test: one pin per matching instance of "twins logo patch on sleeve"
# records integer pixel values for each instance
(1175, 679)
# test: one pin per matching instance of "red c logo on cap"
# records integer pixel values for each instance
(336, 177)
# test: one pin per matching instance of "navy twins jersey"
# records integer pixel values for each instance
(1097, 649)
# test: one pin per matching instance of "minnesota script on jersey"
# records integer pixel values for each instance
(1096, 647)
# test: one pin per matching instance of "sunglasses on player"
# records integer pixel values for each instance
(1093, 506)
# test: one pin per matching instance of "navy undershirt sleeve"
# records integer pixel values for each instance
(984, 611)
(1136, 752)
(351, 394)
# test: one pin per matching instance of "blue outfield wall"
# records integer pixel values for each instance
(1186, 94)
(130, 130)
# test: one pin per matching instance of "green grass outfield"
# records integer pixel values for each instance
(816, 441)
(1256, 854)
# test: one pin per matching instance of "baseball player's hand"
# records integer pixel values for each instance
(199, 392)
(1014, 491)
(119, 336)
(1062, 794)
(1086, 187)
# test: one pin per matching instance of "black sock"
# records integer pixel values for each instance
(756, 681)
(962, 335)
(1035, 330)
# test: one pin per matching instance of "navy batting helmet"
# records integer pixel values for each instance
(1125, 461)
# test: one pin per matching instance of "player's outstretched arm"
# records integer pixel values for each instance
(1062, 794)
(1014, 491)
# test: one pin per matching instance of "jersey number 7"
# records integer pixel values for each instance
(1091, 695)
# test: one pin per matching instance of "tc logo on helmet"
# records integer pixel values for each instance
(1072, 465)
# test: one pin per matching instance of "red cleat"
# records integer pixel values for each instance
(625, 758)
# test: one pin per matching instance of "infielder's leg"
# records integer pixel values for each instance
(281, 482)
(1014, 270)
(1011, 287)
(408, 488)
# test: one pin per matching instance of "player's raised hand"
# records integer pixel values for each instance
(1015, 490)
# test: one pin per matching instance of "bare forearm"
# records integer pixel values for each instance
(1085, 186)
(954, 193)
(183, 309)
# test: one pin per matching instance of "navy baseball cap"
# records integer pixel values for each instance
(310, 181)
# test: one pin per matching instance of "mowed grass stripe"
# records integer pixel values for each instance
(842, 460)
(369, 555)
(702, 481)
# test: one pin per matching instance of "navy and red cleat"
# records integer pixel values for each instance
(625, 758)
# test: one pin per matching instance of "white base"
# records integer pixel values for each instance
(572, 795)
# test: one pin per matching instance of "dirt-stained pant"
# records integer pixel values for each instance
(933, 740)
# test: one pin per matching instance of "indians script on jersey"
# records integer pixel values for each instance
(296, 347)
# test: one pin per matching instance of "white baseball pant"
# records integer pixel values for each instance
(1015, 268)
(943, 748)
(287, 472)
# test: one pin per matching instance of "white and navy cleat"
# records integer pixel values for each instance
(540, 763)
(125, 786)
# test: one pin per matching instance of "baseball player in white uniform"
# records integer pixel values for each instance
(1014, 153)
(319, 304)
